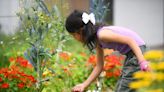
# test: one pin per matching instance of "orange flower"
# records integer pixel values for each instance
(109, 66)
(117, 73)
(116, 60)
(24, 80)
(15, 68)
(109, 74)
(5, 85)
(3, 70)
(6, 75)
(64, 56)
(29, 65)
(11, 59)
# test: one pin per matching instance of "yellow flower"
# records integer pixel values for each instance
(157, 65)
(140, 84)
(153, 66)
(139, 74)
(135, 85)
(154, 54)
(160, 76)
(46, 72)
(155, 90)
(144, 75)
(160, 66)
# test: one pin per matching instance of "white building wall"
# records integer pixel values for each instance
(143, 16)
(8, 18)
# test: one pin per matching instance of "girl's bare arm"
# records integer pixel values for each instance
(98, 68)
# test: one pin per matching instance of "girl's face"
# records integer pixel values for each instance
(77, 36)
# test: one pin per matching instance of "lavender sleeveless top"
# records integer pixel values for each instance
(122, 48)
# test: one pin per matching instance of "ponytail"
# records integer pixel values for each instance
(74, 22)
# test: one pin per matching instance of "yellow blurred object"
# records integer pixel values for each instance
(154, 54)
(153, 66)
(157, 66)
(140, 84)
(47, 72)
(160, 76)
(144, 75)
(148, 81)
(108, 51)
(155, 90)
(160, 66)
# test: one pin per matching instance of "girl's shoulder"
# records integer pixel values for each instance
(116, 29)
(104, 29)
(109, 28)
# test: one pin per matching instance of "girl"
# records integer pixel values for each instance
(98, 36)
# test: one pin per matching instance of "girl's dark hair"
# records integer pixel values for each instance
(74, 23)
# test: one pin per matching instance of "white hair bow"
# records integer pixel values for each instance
(88, 17)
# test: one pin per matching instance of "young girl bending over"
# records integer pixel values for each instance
(82, 27)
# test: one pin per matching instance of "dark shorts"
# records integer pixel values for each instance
(130, 66)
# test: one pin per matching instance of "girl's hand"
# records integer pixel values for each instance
(79, 88)
(144, 65)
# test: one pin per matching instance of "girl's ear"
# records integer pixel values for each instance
(81, 29)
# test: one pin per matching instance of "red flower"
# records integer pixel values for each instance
(19, 59)
(112, 65)
(5, 85)
(15, 72)
(6, 74)
(1, 79)
(92, 60)
(20, 85)
(24, 63)
(3, 70)
(114, 59)
(22, 74)
(31, 78)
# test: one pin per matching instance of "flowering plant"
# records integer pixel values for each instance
(153, 80)
(111, 70)
(14, 79)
